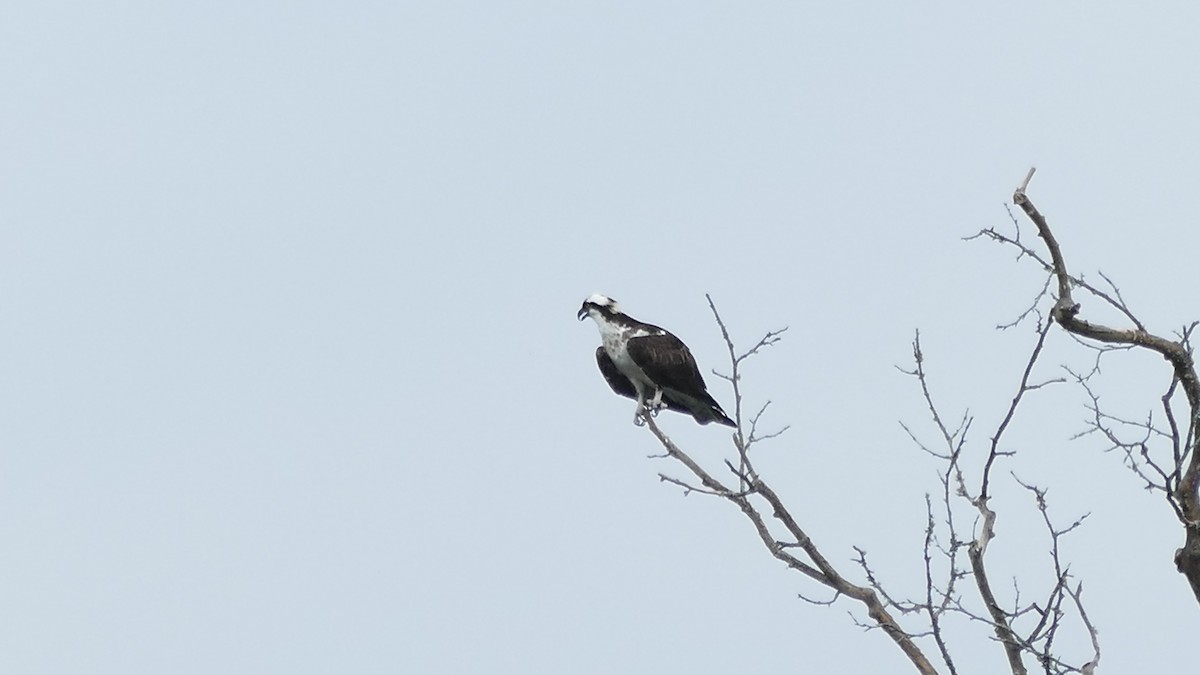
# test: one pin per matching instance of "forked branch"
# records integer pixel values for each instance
(1183, 494)
(764, 508)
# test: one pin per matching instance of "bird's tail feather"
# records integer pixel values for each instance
(714, 414)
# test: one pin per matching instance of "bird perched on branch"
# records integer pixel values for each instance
(647, 363)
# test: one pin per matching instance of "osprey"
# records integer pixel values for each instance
(650, 364)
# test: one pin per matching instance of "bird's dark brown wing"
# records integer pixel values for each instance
(667, 361)
(615, 378)
(621, 384)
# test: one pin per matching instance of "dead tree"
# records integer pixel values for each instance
(1160, 450)
(957, 584)
(1161, 453)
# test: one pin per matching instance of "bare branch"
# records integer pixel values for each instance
(1011, 625)
(935, 611)
(1117, 303)
(1184, 496)
(1012, 408)
(1077, 595)
(1022, 628)
(688, 488)
(810, 560)
(823, 603)
(975, 553)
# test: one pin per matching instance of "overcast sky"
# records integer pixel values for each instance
(290, 376)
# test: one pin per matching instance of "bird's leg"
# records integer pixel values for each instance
(656, 403)
(639, 419)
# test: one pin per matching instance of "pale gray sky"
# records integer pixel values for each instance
(292, 381)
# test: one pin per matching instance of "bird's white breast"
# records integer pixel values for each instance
(615, 339)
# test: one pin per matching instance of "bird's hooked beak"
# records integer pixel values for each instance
(583, 311)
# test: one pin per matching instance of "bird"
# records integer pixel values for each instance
(644, 362)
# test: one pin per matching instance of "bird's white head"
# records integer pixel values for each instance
(598, 305)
